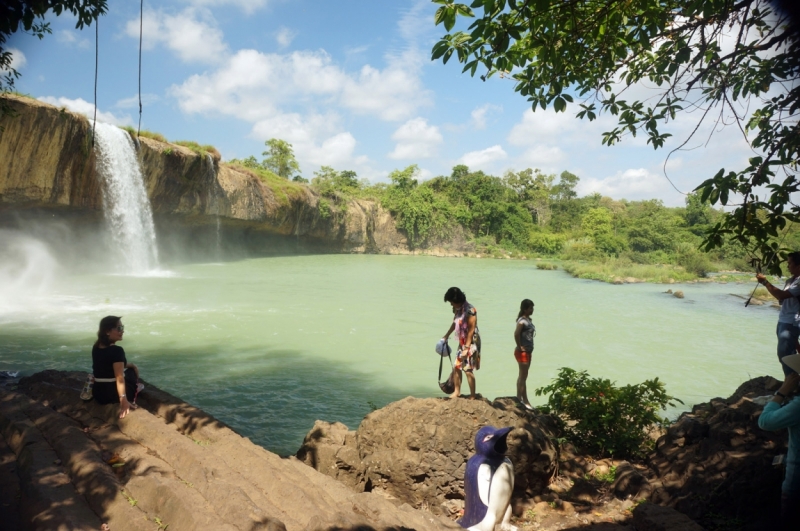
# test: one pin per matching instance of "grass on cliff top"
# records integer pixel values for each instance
(284, 189)
(19, 94)
(203, 150)
(145, 133)
(613, 269)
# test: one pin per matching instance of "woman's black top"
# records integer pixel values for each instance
(103, 360)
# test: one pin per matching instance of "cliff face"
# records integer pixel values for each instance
(47, 161)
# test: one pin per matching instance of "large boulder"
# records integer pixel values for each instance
(415, 450)
(714, 463)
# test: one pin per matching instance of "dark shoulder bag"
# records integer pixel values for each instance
(448, 386)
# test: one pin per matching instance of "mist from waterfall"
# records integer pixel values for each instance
(27, 271)
(125, 202)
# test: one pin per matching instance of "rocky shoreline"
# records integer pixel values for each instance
(69, 464)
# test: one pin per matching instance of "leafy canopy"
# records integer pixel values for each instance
(280, 158)
(714, 58)
(29, 15)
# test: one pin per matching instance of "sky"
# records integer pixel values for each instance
(350, 84)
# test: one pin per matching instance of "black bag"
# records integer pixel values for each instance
(448, 386)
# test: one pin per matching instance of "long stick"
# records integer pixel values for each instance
(774, 254)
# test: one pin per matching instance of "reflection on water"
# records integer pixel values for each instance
(270, 345)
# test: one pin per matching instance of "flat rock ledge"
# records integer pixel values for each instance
(66, 464)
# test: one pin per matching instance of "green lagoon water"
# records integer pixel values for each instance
(270, 345)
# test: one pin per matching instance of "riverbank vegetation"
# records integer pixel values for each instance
(525, 214)
(750, 81)
(530, 214)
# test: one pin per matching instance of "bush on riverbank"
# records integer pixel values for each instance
(605, 420)
(620, 268)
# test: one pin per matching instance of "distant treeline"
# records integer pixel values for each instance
(530, 212)
(526, 212)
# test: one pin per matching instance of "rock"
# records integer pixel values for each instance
(422, 463)
(617, 280)
(649, 517)
(331, 447)
(631, 280)
(583, 491)
(668, 291)
(628, 482)
(715, 463)
(678, 294)
(178, 466)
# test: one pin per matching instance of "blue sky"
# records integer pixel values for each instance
(350, 84)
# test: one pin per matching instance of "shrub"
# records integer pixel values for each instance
(547, 266)
(603, 419)
(545, 243)
(692, 259)
(582, 249)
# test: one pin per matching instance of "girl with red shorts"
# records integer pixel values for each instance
(523, 335)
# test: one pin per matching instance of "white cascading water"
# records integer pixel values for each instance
(214, 200)
(125, 202)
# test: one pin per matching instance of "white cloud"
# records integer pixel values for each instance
(543, 157)
(191, 34)
(550, 127)
(251, 85)
(18, 59)
(316, 139)
(72, 37)
(415, 24)
(393, 93)
(285, 36)
(87, 109)
(481, 159)
(416, 140)
(636, 183)
(248, 6)
(479, 115)
(133, 101)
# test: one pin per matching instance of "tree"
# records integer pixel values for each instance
(597, 223)
(329, 181)
(556, 50)
(534, 189)
(280, 158)
(566, 208)
(30, 15)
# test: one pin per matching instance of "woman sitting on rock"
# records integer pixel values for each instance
(115, 378)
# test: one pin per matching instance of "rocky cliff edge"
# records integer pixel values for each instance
(47, 160)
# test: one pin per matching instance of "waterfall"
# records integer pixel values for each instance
(125, 203)
(211, 177)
